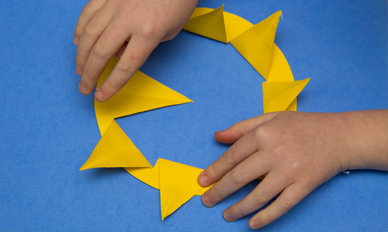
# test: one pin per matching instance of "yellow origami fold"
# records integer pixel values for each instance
(256, 44)
(210, 24)
(280, 71)
(114, 150)
(277, 96)
(178, 184)
(218, 24)
(141, 93)
(148, 176)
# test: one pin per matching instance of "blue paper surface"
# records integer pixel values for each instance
(49, 129)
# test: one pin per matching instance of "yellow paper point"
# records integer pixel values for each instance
(141, 93)
(256, 44)
(149, 176)
(114, 150)
(277, 96)
(210, 25)
(178, 184)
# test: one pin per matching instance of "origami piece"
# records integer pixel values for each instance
(141, 93)
(256, 44)
(115, 150)
(178, 182)
(210, 24)
(277, 96)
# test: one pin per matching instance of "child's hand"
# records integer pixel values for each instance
(296, 152)
(104, 28)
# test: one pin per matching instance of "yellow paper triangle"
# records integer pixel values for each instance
(210, 25)
(178, 184)
(149, 176)
(277, 96)
(115, 149)
(141, 93)
(256, 44)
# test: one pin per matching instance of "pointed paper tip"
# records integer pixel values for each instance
(85, 166)
(210, 24)
(280, 12)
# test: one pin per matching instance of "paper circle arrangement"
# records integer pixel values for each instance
(178, 182)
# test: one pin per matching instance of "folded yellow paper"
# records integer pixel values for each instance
(141, 93)
(149, 176)
(114, 150)
(277, 96)
(209, 24)
(256, 44)
(178, 184)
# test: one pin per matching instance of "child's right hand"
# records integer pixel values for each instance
(297, 152)
(105, 26)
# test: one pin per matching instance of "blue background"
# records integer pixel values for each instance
(48, 129)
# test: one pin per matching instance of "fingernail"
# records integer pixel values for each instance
(228, 217)
(206, 201)
(98, 95)
(254, 225)
(75, 40)
(78, 70)
(202, 179)
(82, 89)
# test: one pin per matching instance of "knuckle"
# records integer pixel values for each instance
(150, 29)
(285, 203)
(266, 217)
(217, 194)
(230, 158)
(79, 29)
(237, 211)
(90, 30)
(260, 198)
(100, 51)
(263, 132)
(124, 68)
(237, 176)
(86, 10)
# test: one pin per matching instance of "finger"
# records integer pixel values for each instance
(90, 36)
(134, 56)
(107, 45)
(233, 133)
(242, 174)
(268, 188)
(87, 14)
(291, 196)
(240, 150)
